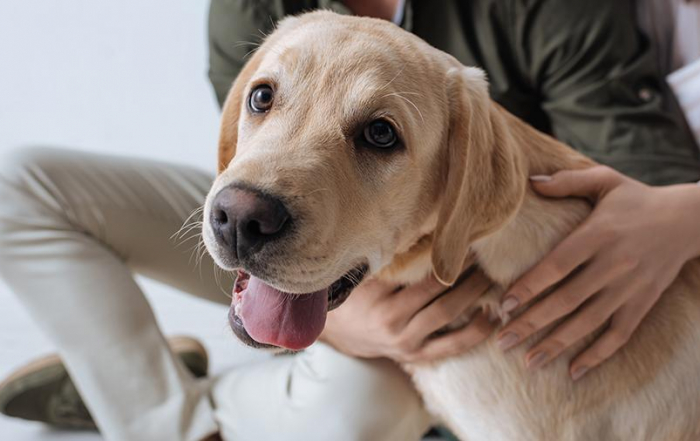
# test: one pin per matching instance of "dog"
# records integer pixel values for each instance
(350, 148)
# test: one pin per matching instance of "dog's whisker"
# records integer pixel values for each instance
(247, 43)
(408, 93)
(216, 277)
(218, 272)
(197, 211)
(247, 54)
(274, 51)
(195, 250)
(272, 22)
(203, 252)
(408, 101)
(392, 80)
(196, 235)
(199, 261)
(189, 227)
(186, 229)
(264, 35)
(192, 233)
(353, 278)
(193, 256)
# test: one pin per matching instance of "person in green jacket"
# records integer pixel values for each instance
(74, 226)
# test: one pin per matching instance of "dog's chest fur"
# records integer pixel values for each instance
(489, 395)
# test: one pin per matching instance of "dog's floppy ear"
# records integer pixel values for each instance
(485, 180)
(233, 106)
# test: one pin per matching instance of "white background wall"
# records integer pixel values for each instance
(125, 77)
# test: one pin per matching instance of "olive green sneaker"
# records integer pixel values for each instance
(43, 391)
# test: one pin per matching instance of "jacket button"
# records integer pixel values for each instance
(645, 94)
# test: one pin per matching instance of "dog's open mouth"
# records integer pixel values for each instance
(263, 316)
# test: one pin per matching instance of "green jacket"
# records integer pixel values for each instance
(579, 70)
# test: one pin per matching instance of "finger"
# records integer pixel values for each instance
(454, 343)
(377, 288)
(623, 324)
(591, 183)
(448, 307)
(410, 299)
(568, 255)
(574, 329)
(562, 301)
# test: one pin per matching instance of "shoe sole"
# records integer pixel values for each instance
(34, 374)
(30, 369)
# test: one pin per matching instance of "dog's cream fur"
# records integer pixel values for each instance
(459, 183)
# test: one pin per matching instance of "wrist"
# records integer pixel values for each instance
(686, 211)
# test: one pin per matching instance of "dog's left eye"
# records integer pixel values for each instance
(380, 133)
(261, 99)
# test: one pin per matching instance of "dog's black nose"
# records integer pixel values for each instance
(244, 220)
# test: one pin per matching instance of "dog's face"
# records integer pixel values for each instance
(334, 158)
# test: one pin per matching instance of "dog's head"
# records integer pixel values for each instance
(343, 141)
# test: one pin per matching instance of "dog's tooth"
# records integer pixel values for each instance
(237, 309)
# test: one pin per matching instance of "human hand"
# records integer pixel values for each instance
(383, 320)
(630, 249)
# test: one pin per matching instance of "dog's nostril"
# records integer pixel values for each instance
(266, 225)
(220, 216)
(253, 227)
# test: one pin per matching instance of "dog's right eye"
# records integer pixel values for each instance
(380, 133)
(261, 98)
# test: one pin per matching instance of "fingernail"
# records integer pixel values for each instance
(509, 304)
(579, 372)
(537, 360)
(508, 340)
(540, 178)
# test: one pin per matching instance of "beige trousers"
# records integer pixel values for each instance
(75, 226)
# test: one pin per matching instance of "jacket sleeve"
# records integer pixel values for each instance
(236, 28)
(601, 89)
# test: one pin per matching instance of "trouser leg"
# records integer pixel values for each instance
(73, 227)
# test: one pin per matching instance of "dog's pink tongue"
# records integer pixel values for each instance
(292, 321)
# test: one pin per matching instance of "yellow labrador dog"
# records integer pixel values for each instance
(351, 148)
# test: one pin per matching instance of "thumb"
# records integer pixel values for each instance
(591, 183)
